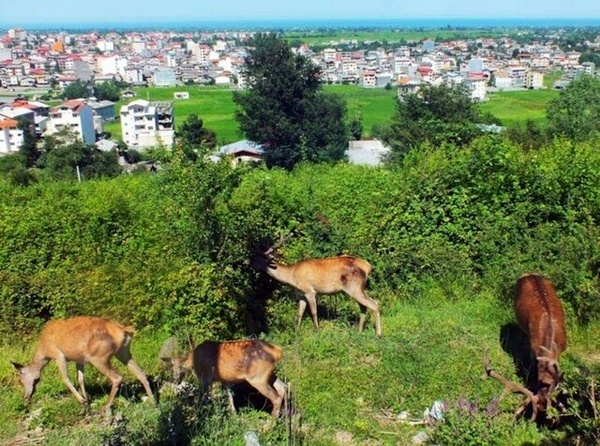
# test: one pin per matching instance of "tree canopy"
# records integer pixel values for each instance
(194, 137)
(575, 113)
(284, 108)
(435, 114)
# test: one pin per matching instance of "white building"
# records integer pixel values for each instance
(75, 115)
(147, 124)
(534, 79)
(11, 138)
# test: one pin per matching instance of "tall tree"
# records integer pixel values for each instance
(284, 109)
(28, 148)
(575, 113)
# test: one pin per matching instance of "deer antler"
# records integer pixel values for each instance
(510, 386)
(279, 243)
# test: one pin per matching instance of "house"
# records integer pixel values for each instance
(104, 109)
(369, 152)
(239, 151)
(11, 137)
(147, 124)
(165, 77)
(75, 115)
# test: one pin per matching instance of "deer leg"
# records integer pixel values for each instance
(301, 309)
(80, 380)
(125, 357)
(312, 306)
(362, 318)
(107, 370)
(61, 362)
(230, 399)
(263, 386)
(366, 302)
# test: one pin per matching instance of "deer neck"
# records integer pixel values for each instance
(282, 273)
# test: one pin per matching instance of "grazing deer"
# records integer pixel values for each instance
(82, 339)
(322, 276)
(233, 362)
(540, 315)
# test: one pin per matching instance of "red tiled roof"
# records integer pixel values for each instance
(9, 124)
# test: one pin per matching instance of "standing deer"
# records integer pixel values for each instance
(541, 316)
(323, 276)
(82, 339)
(232, 362)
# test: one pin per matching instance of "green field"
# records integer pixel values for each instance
(515, 107)
(215, 107)
(212, 104)
(331, 36)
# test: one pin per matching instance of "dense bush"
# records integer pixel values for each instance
(169, 250)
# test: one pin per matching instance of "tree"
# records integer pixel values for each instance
(77, 89)
(284, 109)
(435, 114)
(194, 136)
(575, 113)
(107, 91)
(28, 148)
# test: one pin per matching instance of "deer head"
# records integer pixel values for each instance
(29, 377)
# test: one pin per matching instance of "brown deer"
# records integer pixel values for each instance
(541, 316)
(82, 339)
(322, 276)
(232, 362)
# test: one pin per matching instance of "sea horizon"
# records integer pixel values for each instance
(289, 24)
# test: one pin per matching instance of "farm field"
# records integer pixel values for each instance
(215, 107)
(324, 37)
(515, 107)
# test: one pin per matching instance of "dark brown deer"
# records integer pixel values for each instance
(323, 276)
(232, 362)
(541, 316)
(82, 339)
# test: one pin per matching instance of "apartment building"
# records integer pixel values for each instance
(147, 124)
(11, 137)
(75, 115)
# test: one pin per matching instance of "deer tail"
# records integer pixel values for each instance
(274, 350)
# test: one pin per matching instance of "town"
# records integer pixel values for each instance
(36, 67)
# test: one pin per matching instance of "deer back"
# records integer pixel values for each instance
(540, 314)
(329, 275)
(82, 337)
(234, 361)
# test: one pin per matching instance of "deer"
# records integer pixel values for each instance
(82, 339)
(329, 275)
(541, 317)
(233, 362)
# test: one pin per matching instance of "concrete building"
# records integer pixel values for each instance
(76, 116)
(147, 124)
(11, 138)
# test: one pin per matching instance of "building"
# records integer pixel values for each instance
(147, 124)
(369, 153)
(534, 79)
(239, 152)
(76, 116)
(11, 137)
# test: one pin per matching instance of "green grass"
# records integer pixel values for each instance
(215, 107)
(344, 384)
(330, 36)
(513, 108)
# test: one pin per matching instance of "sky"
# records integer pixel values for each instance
(14, 13)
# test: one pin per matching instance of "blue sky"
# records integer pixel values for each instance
(90, 11)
